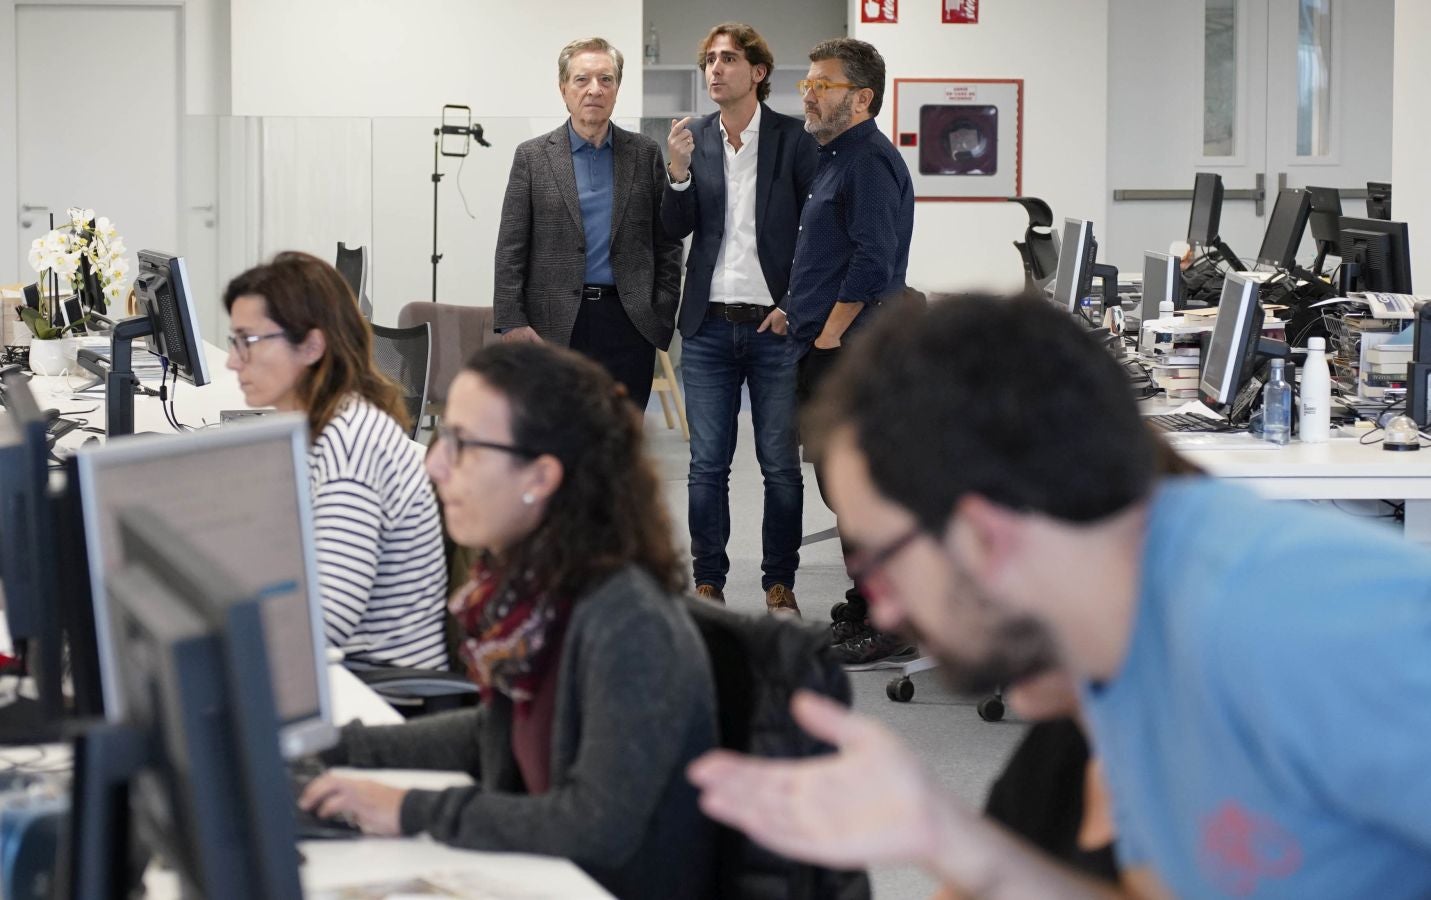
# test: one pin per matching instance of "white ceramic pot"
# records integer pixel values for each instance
(53, 357)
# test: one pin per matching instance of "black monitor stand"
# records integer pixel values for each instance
(1225, 253)
(120, 382)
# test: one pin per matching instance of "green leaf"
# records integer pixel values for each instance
(39, 326)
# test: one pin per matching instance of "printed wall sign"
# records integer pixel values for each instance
(960, 12)
(879, 12)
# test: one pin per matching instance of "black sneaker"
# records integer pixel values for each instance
(842, 630)
(870, 649)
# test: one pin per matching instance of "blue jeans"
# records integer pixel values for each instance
(714, 363)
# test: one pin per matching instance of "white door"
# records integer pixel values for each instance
(1262, 92)
(98, 114)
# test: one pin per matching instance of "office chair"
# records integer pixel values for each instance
(403, 355)
(458, 331)
(1039, 248)
(352, 264)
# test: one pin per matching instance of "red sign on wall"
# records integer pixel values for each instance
(961, 12)
(879, 12)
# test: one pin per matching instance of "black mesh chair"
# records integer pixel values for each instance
(403, 355)
(352, 264)
(1039, 248)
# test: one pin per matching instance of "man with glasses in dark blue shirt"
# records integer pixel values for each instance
(850, 257)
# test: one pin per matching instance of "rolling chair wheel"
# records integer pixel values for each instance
(991, 709)
(900, 690)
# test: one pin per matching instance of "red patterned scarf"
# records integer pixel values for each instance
(510, 624)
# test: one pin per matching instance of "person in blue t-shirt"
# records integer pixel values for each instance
(1254, 675)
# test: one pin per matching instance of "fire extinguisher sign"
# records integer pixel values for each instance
(961, 12)
(879, 12)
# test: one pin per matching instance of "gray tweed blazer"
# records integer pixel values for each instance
(541, 244)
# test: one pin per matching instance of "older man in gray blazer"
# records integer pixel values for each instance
(582, 259)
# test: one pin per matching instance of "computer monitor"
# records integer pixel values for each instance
(28, 563)
(169, 320)
(1325, 221)
(1074, 279)
(1381, 252)
(1285, 229)
(194, 763)
(1206, 216)
(242, 495)
(1162, 280)
(1227, 360)
(1378, 200)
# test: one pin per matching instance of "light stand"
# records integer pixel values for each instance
(470, 132)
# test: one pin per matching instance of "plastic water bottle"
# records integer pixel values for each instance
(1277, 406)
(1316, 394)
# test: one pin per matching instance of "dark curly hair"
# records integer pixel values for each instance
(608, 511)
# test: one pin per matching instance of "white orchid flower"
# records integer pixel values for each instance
(57, 242)
(116, 246)
(118, 267)
(37, 257)
(114, 291)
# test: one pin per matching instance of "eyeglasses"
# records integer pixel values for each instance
(864, 566)
(242, 344)
(450, 444)
(819, 85)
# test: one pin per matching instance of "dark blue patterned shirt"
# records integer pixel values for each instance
(854, 231)
(595, 169)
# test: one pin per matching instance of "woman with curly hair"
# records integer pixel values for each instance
(596, 688)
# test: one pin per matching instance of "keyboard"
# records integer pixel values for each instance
(1186, 422)
(310, 826)
(58, 428)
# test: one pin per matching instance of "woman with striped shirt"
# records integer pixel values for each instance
(299, 344)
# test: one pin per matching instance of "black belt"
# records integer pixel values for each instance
(738, 312)
(597, 291)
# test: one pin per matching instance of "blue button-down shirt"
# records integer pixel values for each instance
(854, 231)
(595, 186)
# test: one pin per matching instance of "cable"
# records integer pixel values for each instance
(460, 192)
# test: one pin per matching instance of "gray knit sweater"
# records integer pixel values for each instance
(635, 704)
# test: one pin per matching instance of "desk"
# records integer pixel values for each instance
(192, 406)
(1340, 469)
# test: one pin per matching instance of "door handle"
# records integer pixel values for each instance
(29, 208)
(1344, 193)
(1257, 194)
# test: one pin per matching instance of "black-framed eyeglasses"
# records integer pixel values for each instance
(865, 566)
(242, 344)
(451, 444)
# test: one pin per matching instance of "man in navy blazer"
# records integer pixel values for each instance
(739, 179)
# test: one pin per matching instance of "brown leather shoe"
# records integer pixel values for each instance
(781, 600)
(710, 592)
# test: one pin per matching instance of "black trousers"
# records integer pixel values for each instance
(604, 332)
(814, 366)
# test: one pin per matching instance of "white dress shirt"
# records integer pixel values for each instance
(738, 277)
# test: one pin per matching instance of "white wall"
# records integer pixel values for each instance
(790, 27)
(1411, 134)
(381, 58)
(1060, 50)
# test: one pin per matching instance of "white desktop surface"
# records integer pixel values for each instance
(1341, 469)
(193, 406)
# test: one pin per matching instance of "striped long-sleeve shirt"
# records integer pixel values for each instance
(378, 537)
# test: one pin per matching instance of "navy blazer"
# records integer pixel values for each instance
(785, 167)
